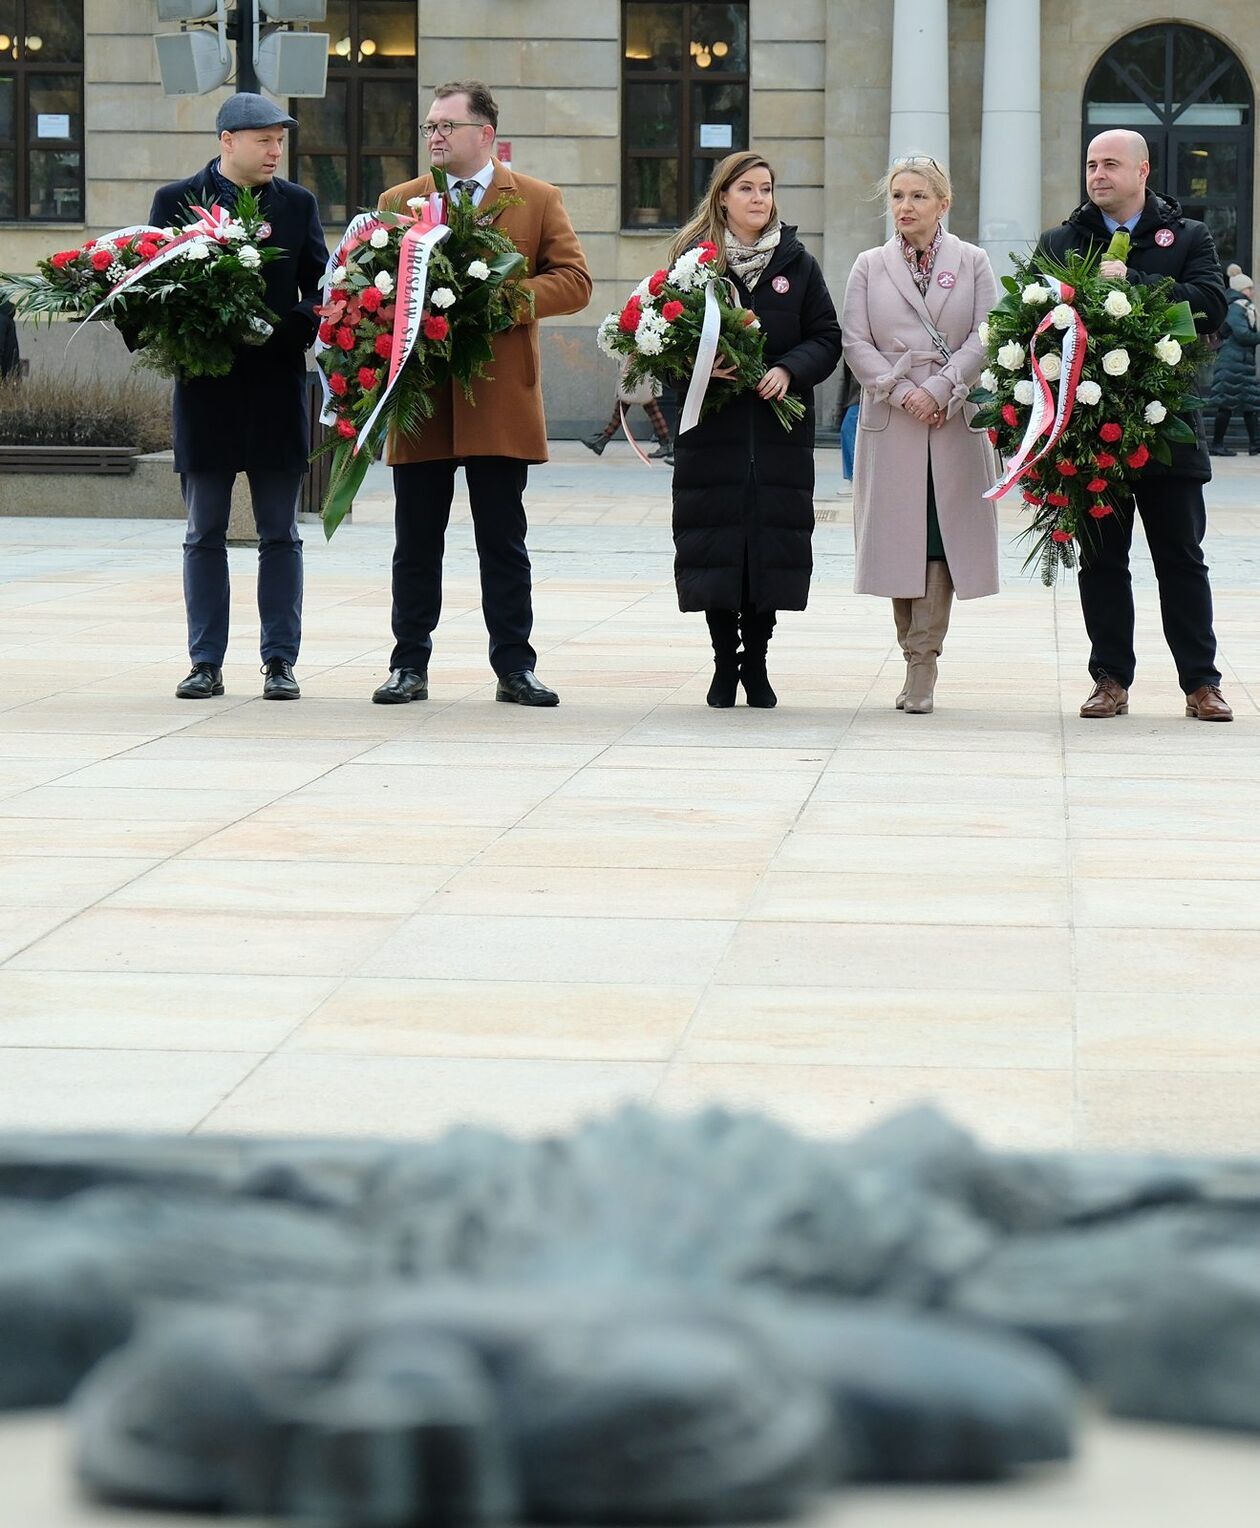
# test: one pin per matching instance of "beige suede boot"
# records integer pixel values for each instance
(929, 621)
(901, 619)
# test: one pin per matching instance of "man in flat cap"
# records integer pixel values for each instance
(254, 419)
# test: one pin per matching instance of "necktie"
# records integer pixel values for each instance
(467, 189)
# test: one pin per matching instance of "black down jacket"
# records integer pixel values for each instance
(743, 485)
(1235, 383)
(1166, 244)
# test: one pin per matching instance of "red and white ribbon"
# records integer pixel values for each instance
(638, 450)
(706, 354)
(1048, 417)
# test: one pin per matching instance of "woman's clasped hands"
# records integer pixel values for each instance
(922, 406)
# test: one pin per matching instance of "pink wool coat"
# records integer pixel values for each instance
(891, 353)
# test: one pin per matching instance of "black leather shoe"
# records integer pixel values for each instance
(524, 690)
(401, 686)
(279, 683)
(204, 681)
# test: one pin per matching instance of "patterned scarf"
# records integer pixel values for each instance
(921, 262)
(748, 261)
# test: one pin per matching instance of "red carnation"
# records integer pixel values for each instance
(344, 427)
(368, 378)
(993, 437)
(1060, 536)
(1100, 511)
(337, 383)
(1030, 496)
(1111, 432)
(630, 316)
(371, 299)
(1009, 415)
(344, 338)
(657, 281)
(384, 346)
(1059, 500)
(708, 252)
(1066, 469)
(326, 332)
(1033, 503)
(436, 327)
(1104, 461)
(148, 248)
(65, 257)
(102, 259)
(1096, 485)
(1138, 458)
(671, 311)
(1032, 473)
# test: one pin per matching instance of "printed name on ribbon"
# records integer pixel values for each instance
(1046, 418)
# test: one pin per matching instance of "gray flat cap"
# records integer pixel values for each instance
(246, 110)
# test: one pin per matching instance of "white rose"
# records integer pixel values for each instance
(1088, 392)
(1051, 366)
(384, 284)
(380, 238)
(1116, 362)
(983, 332)
(415, 202)
(1024, 392)
(1155, 412)
(989, 381)
(249, 257)
(1118, 305)
(479, 270)
(1063, 317)
(1035, 294)
(197, 250)
(1011, 355)
(338, 277)
(1168, 350)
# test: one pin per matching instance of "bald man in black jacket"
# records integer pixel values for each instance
(1165, 245)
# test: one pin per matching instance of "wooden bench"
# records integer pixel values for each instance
(96, 461)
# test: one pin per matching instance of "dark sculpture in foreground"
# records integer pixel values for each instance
(653, 1321)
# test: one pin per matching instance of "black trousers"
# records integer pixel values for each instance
(1175, 521)
(422, 508)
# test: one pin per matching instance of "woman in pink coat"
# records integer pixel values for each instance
(921, 526)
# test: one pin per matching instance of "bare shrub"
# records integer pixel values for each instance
(56, 409)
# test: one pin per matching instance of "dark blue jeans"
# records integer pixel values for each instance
(208, 499)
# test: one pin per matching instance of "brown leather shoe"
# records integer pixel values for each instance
(1207, 704)
(1107, 698)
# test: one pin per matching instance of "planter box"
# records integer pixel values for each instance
(96, 460)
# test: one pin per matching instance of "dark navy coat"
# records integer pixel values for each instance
(1188, 258)
(743, 485)
(255, 417)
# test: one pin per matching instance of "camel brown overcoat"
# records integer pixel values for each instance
(891, 353)
(506, 417)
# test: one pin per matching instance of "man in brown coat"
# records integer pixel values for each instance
(494, 440)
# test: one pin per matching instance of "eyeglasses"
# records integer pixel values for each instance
(445, 129)
(907, 160)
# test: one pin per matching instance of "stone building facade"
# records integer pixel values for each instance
(833, 87)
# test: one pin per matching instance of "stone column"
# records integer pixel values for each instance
(918, 118)
(1010, 131)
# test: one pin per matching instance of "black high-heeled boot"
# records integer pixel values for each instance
(756, 628)
(1252, 421)
(724, 632)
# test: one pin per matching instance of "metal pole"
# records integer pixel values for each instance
(246, 22)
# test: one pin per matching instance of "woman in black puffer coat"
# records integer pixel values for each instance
(743, 486)
(1235, 384)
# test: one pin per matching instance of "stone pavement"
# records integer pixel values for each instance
(332, 917)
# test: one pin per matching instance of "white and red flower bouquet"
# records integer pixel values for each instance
(676, 323)
(187, 297)
(413, 300)
(1088, 380)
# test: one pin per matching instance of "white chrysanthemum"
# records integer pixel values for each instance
(1118, 305)
(379, 238)
(686, 274)
(233, 229)
(197, 250)
(1088, 392)
(1036, 294)
(1154, 412)
(249, 257)
(649, 341)
(1064, 316)
(1168, 350)
(1011, 355)
(988, 380)
(1051, 365)
(1116, 362)
(479, 270)
(606, 333)
(1024, 392)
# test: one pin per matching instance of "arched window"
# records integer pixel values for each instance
(1187, 93)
